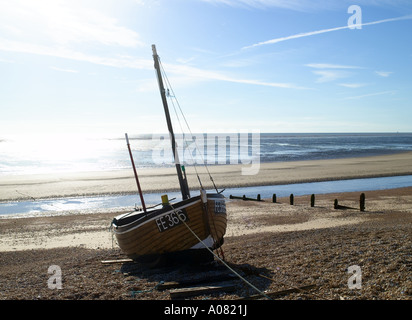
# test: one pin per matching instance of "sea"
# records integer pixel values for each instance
(22, 155)
(70, 153)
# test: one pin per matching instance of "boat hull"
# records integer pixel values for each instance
(174, 228)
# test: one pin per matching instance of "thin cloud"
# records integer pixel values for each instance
(353, 85)
(22, 47)
(297, 5)
(214, 75)
(135, 63)
(383, 73)
(371, 95)
(312, 33)
(64, 70)
(330, 72)
(256, 3)
(329, 75)
(330, 66)
(59, 28)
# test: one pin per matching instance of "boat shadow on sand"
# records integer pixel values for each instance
(178, 274)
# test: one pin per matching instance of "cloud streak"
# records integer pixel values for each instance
(64, 70)
(214, 75)
(352, 85)
(297, 5)
(330, 66)
(383, 73)
(371, 95)
(312, 33)
(60, 52)
(328, 72)
(134, 63)
(328, 75)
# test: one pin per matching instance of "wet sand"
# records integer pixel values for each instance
(225, 176)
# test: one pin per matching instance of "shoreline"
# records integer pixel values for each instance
(91, 229)
(61, 185)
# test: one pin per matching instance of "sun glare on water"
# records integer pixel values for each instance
(47, 153)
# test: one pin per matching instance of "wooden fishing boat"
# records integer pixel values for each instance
(192, 227)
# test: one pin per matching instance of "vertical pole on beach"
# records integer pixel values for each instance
(274, 198)
(135, 174)
(362, 202)
(291, 198)
(312, 200)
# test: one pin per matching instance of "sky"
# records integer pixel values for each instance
(77, 67)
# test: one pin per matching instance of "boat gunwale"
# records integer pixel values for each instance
(142, 218)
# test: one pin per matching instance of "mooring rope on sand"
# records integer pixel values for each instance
(221, 260)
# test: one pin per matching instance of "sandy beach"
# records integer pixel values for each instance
(19, 187)
(278, 246)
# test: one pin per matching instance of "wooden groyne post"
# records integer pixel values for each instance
(312, 200)
(291, 199)
(274, 198)
(362, 202)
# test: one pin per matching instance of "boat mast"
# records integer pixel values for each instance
(184, 188)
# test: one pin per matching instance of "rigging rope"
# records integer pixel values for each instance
(185, 143)
(210, 176)
(221, 260)
(171, 96)
(188, 127)
(220, 251)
